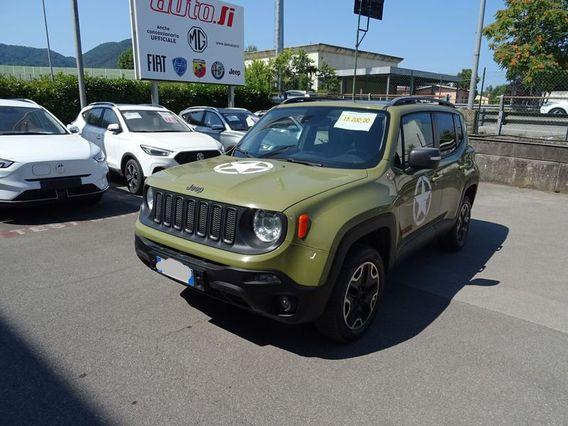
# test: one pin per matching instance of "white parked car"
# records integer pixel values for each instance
(556, 103)
(140, 140)
(227, 125)
(41, 161)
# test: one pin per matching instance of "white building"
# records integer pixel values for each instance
(376, 73)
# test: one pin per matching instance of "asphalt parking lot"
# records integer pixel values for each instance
(88, 334)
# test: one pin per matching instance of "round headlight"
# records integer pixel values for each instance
(150, 198)
(267, 226)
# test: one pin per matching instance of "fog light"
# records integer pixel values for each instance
(287, 304)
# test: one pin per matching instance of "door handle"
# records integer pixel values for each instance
(435, 177)
(99, 137)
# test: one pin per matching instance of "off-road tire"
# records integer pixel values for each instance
(456, 238)
(134, 176)
(333, 323)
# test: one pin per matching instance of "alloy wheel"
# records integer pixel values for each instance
(132, 177)
(361, 296)
(464, 220)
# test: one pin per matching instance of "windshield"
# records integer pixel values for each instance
(241, 121)
(28, 121)
(339, 137)
(149, 121)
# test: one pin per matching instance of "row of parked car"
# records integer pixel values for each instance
(42, 160)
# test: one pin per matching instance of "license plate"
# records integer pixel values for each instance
(60, 183)
(173, 269)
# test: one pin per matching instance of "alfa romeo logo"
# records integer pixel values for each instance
(243, 167)
(422, 200)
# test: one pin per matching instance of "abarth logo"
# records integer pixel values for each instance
(422, 200)
(180, 66)
(197, 39)
(243, 167)
(199, 68)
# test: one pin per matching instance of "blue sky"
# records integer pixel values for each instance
(432, 35)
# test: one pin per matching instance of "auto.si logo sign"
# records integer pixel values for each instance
(211, 31)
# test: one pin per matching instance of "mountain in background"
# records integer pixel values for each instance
(22, 55)
(102, 56)
(106, 55)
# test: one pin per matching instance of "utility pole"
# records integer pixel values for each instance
(47, 37)
(474, 69)
(279, 33)
(79, 53)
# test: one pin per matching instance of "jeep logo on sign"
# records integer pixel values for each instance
(197, 39)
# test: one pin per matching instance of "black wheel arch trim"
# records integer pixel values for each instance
(349, 234)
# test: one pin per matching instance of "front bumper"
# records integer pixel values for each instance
(254, 290)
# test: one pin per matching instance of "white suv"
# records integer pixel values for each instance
(41, 161)
(140, 140)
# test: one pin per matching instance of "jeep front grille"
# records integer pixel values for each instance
(191, 156)
(196, 219)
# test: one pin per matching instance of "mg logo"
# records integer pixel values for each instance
(197, 39)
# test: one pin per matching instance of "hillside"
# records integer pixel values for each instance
(22, 55)
(102, 56)
(105, 55)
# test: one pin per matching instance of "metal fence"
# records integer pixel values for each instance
(30, 73)
(542, 117)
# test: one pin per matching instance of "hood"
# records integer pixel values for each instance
(256, 183)
(178, 141)
(34, 148)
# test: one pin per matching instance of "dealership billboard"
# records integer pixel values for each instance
(188, 40)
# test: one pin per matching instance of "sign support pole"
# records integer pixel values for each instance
(155, 93)
(358, 42)
(231, 103)
(79, 53)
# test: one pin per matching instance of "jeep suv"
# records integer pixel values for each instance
(317, 202)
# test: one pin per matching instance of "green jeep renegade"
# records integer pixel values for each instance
(316, 203)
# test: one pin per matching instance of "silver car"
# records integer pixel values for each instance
(227, 125)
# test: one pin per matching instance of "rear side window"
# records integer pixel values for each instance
(459, 128)
(194, 117)
(446, 132)
(93, 117)
(417, 132)
(212, 119)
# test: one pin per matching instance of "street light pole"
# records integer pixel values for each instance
(474, 69)
(47, 37)
(79, 53)
(279, 34)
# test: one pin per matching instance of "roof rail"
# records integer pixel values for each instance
(24, 100)
(154, 105)
(103, 103)
(202, 107)
(301, 99)
(408, 100)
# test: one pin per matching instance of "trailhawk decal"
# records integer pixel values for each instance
(422, 200)
(243, 167)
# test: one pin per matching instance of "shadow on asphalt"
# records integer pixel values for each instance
(117, 201)
(31, 391)
(419, 291)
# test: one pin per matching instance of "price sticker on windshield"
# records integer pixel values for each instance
(358, 121)
(167, 117)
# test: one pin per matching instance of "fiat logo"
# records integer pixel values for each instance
(60, 169)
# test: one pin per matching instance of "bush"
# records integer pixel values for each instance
(61, 96)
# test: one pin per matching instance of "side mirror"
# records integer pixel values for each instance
(217, 127)
(72, 128)
(114, 128)
(424, 158)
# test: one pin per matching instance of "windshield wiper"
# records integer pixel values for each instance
(277, 151)
(237, 149)
(304, 162)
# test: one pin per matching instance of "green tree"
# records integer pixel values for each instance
(281, 67)
(530, 40)
(304, 70)
(493, 93)
(328, 80)
(259, 76)
(251, 48)
(465, 78)
(125, 60)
